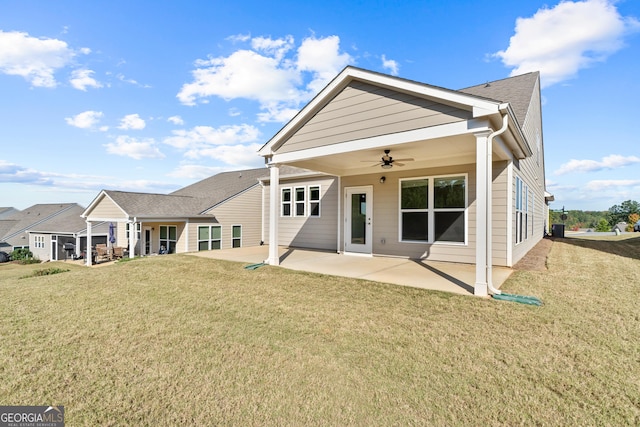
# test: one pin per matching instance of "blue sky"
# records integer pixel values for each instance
(154, 95)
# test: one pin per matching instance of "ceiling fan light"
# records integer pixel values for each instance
(387, 166)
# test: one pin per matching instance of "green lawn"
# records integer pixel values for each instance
(186, 340)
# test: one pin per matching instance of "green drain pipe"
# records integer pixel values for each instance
(254, 266)
(522, 299)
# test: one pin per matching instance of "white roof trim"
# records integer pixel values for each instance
(96, 201)
(480, 107)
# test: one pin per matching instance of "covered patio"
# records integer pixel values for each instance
(440, 276)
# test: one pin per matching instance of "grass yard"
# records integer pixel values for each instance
(186, 340)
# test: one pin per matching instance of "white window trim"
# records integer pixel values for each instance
(314, 201)
(236, 238)
(168, 239)
(210, 239)
(283, 203)
(292, 203)
(431, 210)
(296, 202)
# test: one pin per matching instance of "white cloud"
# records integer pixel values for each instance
(276, 48)
(194, 171)
(81, 79)
(202, 137)
(85, 120)
(562, 40)
(34, 59)
(243, 74)
(132, 121)
(239, 38)
(611, 184)
(240, 156)
(391, 65)
(322, 58)
(176, 120)
(135, 148)
(613, 161)
(272, 73)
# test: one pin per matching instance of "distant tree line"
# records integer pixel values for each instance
(628, 211)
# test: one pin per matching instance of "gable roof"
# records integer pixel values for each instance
(220, 187)
(7, 211)
(491, 101)
(188, 202)
(517, 91)
(14, 228)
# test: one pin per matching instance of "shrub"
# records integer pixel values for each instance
(24, 256)
(46, 272)
(603, 225)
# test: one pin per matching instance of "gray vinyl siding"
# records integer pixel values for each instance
(43, 254)
(501, 220)
(244, 210)
(531, 171)
(364, 111)
(386, 216)
(308, 232)
(106, 209)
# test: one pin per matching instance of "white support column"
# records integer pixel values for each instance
(483, 213)
(89, 251)
(132, 239)
(274, 215)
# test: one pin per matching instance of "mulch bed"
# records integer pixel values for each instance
(536, 258)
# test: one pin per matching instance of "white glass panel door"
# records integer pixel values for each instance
(358, 223)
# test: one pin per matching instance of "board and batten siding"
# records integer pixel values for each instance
(362, 110)
(244, 210)
(307, 232)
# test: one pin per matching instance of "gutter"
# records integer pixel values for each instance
(489, 248)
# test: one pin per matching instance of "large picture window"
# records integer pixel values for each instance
(433, 209)
(168, 239)
(209, 237)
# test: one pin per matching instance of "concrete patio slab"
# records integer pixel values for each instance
(441, 276)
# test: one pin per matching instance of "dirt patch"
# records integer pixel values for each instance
(536, 258)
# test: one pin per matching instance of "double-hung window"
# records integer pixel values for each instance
(286, 202)
(209, 237)
(522, 211)
(433, 209)
(314, 200)
(236, 236)
(300, 201)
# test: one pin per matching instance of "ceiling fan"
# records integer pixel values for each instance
(387, 162)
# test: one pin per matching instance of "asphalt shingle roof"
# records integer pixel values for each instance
(517, 91)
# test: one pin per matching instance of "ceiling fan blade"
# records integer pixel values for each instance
(403, 160)
(398, 163)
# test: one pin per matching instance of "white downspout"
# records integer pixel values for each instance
(505, 125)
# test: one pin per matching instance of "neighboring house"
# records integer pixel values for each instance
(64, 236)
(222, 211)
(620, 227)
(421, 171)
(7, 212)
(42, 229)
